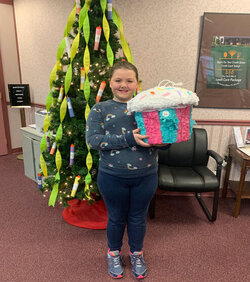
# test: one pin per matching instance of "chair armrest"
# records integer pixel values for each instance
(216, 156)
(219, 161)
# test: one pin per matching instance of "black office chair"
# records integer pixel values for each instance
(183, 168)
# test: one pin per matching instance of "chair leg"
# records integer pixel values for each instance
(213, 216)
(152, 207)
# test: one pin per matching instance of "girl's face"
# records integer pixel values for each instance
(123, 84)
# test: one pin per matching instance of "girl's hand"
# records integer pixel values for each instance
(138, 138)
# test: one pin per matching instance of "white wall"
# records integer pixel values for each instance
(164, 38)
(163, 35)
(40, 29)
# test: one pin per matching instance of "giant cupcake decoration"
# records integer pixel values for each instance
(164, 113)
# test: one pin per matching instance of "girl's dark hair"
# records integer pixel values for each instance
(123, 65)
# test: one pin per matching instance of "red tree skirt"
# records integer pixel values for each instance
(81, 214)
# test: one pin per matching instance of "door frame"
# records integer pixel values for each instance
(5, 104)
(4, 108)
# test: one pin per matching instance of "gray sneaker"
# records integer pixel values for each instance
(139, 268)
(115, 262)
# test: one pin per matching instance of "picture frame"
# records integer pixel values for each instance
(238, 137)
(19, 95)
(223, 69)
(247, 136)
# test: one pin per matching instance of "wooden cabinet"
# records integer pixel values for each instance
(31, 151)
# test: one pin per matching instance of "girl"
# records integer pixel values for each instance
(127, 174)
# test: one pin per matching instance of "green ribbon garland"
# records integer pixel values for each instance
(54, 192)
(68, 79)
(125, 47)
(71, 20)
(86, 63)
(43, 143)
(106, 31)
(63, 107)
(82, 16)
(51, 80)
(58, 158)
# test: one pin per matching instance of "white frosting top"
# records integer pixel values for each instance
(159, 98)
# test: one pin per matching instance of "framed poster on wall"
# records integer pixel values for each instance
(223, 72)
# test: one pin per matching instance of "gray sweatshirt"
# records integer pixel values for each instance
(109, 130)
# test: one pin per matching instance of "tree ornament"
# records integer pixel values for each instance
(39, 181)
(60, 97)
(70, 109)
(72, 154)
(78, 6)
(82, 79)
(67, 41)
(53, 148)
(48, 143)
(75, 186)
(109, 6)
(98, 33)
(100, 91)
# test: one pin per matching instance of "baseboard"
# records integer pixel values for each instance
(17, 150)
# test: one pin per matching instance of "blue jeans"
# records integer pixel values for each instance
(127, 201)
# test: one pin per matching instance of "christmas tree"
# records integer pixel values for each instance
(88, 49)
